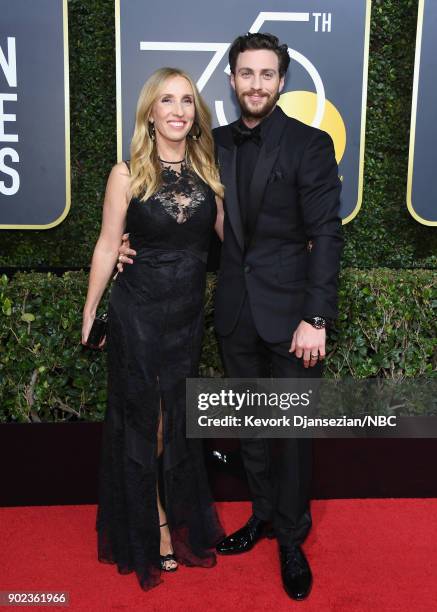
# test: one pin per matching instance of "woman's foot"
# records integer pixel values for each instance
(168, 560)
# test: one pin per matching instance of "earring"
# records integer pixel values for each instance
(151, 129)
(197, 134)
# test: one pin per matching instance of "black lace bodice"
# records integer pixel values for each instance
(180, 215)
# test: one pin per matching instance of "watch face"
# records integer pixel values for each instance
(317, 322)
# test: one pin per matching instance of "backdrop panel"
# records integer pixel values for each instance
(34, 114)
(422, 179)
(326, 87)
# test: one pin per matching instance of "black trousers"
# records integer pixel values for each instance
(278, 470)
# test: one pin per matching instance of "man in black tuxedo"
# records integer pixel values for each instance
(277, 285)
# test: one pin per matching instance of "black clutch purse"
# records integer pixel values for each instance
(98, 328)
(98, 331)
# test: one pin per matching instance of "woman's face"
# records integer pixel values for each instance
(174, 111)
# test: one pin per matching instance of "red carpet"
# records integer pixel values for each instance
(366, 555)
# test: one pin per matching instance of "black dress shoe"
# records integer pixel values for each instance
(245, 538)
(296, 573)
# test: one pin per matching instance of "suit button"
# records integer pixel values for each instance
(247, 269)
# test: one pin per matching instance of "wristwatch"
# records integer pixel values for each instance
(317, 322)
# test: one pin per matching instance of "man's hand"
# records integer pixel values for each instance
(124, 252)
(309, 343)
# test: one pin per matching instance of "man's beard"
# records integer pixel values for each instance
(263, 110)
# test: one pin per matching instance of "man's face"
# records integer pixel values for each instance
(257, 82)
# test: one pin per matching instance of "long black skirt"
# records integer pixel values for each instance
(154, 341)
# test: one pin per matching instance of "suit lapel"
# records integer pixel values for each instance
(266, 160)
(227, 157)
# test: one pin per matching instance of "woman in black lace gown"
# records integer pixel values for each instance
(155, 508)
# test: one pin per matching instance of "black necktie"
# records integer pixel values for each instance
(242, 134)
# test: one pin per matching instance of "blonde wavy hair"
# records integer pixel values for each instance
(144, 162)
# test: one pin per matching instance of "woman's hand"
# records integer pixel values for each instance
(87, 323)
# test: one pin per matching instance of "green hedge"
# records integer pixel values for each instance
(383, 234)
(386, 329)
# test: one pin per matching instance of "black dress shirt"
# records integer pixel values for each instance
(247, 156)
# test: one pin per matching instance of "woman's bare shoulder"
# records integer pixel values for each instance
(120, 169)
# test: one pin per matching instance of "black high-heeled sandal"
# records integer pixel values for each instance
(166, 558)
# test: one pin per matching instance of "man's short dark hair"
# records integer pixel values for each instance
(249, 42)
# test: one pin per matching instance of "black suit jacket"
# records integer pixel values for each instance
(294, 199)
